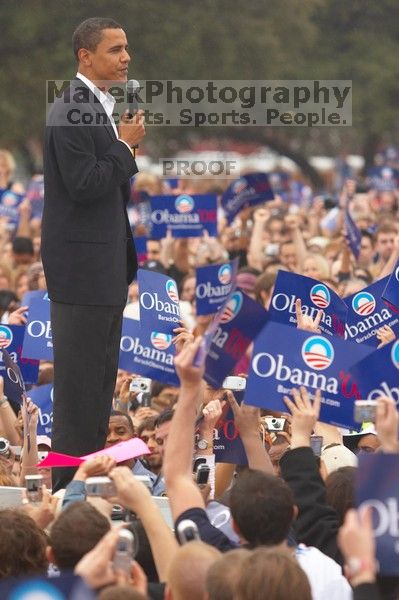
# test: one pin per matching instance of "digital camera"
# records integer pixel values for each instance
(274, 423)
(235, 384)
(4, 447)
(365, 411)
(102, 487)
(33, 484)
(140, 384)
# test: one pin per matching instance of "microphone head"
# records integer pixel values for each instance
(132, 86)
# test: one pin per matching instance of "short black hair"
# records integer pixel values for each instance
(164, 417)
(119, 413)
(23, 245)
(89, 33)
(368, 234)
(262, 507)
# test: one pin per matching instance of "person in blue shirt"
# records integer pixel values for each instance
(120, 429)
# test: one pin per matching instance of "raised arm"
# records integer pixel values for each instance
(30, 457)
(182, 491)
(134, 495)
(247, 420)
(8, 419)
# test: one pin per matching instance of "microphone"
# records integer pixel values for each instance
(132, 89)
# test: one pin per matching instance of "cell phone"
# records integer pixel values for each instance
(125, 551)
(187, 531)
(202, 474)
(197, 463)
(33, 484)
(144, 400)
(274, 423)
(365, 410)
(140, 384)
(316, 443)
(102, 487)
(235, 384)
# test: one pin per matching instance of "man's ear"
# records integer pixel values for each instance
(84, 57)
(295, 512)
(50, 555)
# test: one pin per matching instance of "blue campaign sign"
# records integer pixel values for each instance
(42, 396)
(159, 302)
(391, 291)
(64, 587)
(352, 233)
(214, 284)
(140, 244)
(28, 296)
(235, 326)
(184, 215)
(378, 375)
(367, 312)
(14, 386)
(248, 190)
(35, 194)
(314, 296)
(38, 341)
(377, 486)
(383, 179)
(147, 353)
(280, 182)
(9, 203)
(227, 444)
(284, 357)
(14, 336)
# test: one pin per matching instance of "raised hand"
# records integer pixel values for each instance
(305, 415)
(387, 424)
(132, 131)
(188, 373)
(385, 335)
(246, 418)
(44, 513)
(305, 322)
(100, 465)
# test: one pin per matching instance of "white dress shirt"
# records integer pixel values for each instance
(107, 102)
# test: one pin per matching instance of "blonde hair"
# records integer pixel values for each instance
(148, 182)
(321, 263)
(9, 160)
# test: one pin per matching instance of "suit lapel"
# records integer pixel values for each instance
(98, 108)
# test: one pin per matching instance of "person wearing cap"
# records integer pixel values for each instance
(43, 448)
(335, 456)
(364, 441)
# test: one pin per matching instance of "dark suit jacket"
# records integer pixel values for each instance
(87, 245)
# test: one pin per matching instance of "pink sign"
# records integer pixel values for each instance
(120, 452)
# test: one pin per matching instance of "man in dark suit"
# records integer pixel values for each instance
(87, 245)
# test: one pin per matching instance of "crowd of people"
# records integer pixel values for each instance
(284, 525)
